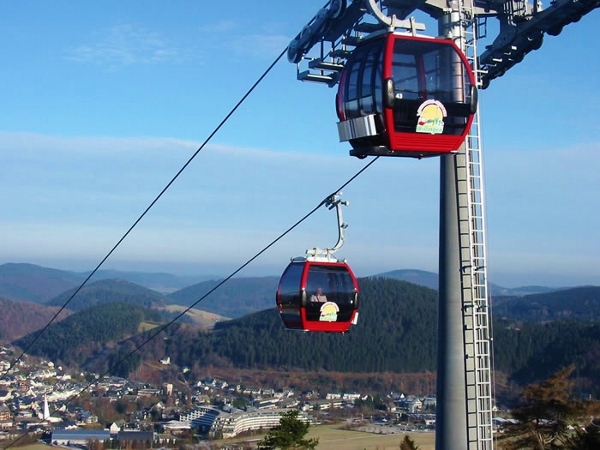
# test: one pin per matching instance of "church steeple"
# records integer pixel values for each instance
(46, 414)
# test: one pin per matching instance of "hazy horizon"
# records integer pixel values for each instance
(211, 271)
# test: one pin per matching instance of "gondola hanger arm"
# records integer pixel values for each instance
(331, 202)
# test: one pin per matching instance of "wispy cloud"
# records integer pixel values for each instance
(230, 199)
(125, 45)
(233, 37)
(223, 26)
(260, 45)
(73, 197)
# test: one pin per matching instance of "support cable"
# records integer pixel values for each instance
(156, 332)
(168, 185)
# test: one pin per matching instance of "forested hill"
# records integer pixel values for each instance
(532, 351)
(81, 338)
(105, 291)
(396, 331)
(18, 319)
(37, 284)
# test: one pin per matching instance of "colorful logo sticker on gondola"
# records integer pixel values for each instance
(431, 117)
(329, 312)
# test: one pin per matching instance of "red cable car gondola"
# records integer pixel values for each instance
(405, 95)
(318, 294)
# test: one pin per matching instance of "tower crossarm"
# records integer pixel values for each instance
(522, 29)
(337, 27)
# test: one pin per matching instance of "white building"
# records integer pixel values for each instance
(200, 416)
(234, 424)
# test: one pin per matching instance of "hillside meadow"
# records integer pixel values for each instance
(331, 437)
(334, 437)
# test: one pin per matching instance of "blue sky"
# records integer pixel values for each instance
(103, 102)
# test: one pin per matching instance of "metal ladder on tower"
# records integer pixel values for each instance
(475, 306)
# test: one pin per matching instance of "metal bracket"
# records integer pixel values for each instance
(392, 22)
(333, 201)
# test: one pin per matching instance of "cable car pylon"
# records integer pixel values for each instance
(464, 373)
(477, 329)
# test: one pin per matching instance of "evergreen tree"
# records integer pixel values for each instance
(547, 415)
(289, 434)
(408, 444)
(587, 438)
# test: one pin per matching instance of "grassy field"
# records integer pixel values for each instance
(28, 446)
(203, 318)
(146, 326)
(331, 437)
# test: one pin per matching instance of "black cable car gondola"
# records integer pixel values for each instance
(319, 292)
(318, 295)
(405, 95)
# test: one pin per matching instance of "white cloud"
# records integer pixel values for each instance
(233, 36)
(221, 26)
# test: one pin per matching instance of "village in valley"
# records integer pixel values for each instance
(41, 400)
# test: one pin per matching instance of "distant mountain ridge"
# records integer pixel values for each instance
(431, 280)
(235, 299)
(33, 283)
(581, 304)
(162, 282)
